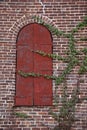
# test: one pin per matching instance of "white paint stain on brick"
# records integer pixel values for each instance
(43, 6)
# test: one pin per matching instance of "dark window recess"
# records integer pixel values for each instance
(33, 91)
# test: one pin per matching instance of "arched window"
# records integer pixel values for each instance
(33, 90)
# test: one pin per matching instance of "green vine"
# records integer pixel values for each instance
(21, 115)
(53, 56)
(68, 69)
(32, 74)
(66, 117)
(80, 26)
(83, 67)
(84, 51)
(72, 57)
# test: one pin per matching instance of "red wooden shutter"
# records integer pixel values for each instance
(24, 86)
(43, 65)
(33, 91)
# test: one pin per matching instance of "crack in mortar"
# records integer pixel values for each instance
(43, 6)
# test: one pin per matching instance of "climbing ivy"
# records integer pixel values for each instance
(66, 116)
(21, 115)
(23, 74)
(72, 53)
(53, 56)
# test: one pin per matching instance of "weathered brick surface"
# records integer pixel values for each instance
(14, 14)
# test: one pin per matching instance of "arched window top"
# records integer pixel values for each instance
(33, 91)
(28, 31)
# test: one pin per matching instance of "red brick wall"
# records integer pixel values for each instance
(14, 14)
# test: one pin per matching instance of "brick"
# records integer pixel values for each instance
(14, 15)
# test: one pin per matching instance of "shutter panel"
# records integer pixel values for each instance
(24, 86)
(43, 65)
(33, 91)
